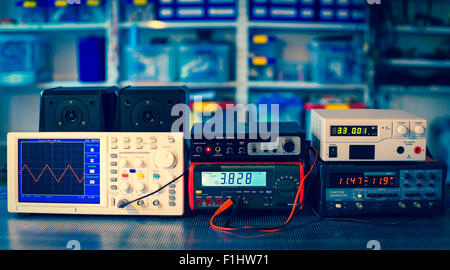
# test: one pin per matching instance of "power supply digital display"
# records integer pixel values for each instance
(59, 170)
(370, 131)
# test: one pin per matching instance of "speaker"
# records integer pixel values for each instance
(148, 108)
(77, 109)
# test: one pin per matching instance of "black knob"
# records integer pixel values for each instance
(408, 176)
(400, 149)
(419, 176)
(229, 150)
(286, 187)
(289, 146)
(432, 176)
(253, 149)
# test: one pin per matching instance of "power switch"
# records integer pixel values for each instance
(332, 151)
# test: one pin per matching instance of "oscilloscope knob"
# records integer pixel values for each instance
(125, 187)
(155, 186)
(140, 187)
(165, 159)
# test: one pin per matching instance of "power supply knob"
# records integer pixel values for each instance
(125, 187)
(165, 159)
(402, 130)
(140, 187)
(289, 146)
(419, 130)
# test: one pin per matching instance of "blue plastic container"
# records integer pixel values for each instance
(155, 62)
(283, 13)
(190, 13)
(343, 15)
(91, 11)
(190, 2)
(32, 11)
(259, 13)
(343, 3)
(262, 72)
(265, 45)
(307, 14)
(62, 11)
(166, 13)
(358, 15)
(307, 2)
(290, 106)
(221, 2)
(284, 2)
(23, 60)
(327, 14)
(91, 59)
(134, 11)
(221, 12)
(204, 62)
(327, 3)
(335, 61)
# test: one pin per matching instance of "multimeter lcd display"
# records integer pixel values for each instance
(354, 131)
(234, 179)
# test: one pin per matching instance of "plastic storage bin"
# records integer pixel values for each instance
(22, 60)
(91, 59)
(91, 11)
(204, 62)
(290, 106)
(292, 71)
(335, 61)
(138, 10)
(265, 45)
(262, 69)
(32, 11)
(62, 11)
(156, 62)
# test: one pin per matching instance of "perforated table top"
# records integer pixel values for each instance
(306, 231)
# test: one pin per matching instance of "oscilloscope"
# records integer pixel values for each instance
(90, 173)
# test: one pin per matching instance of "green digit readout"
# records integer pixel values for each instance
(354, 131)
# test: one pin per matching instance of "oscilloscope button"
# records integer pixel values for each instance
(171, 203)
(126, 139)
(113, 155)
(113, 171)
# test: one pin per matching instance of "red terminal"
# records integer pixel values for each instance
(208, 149)
(417, 150)
(219, 201)
(124, 175)
(208, 201)
(198, 201)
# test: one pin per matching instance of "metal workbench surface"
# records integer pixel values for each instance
(306, 231)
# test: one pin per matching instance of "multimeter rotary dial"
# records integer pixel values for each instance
(286, 186)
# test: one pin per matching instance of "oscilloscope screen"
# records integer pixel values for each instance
(59, 170)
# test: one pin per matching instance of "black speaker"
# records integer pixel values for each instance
(148, 108)
(78, 109)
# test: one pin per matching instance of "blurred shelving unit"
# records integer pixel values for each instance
(241, 28)
(417, 62)
(429, 30)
